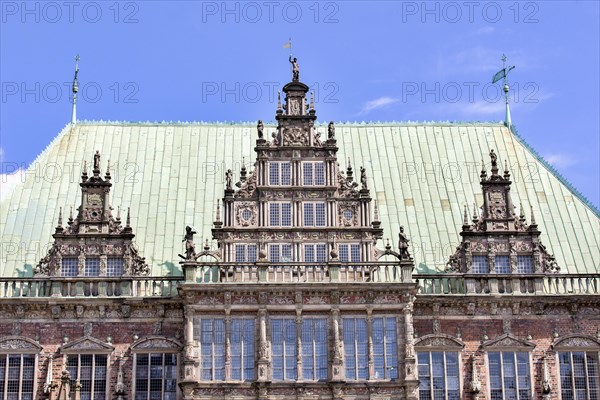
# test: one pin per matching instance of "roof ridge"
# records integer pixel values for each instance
(555, 172)
(357, 123)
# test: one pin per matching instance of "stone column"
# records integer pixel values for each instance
(338, 373)
(190, 361)
(371, 355)
(264, 348)
(299, 344)
(227, 345)
(411, 379)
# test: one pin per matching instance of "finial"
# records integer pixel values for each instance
(522, 213)
(60, 217)
(243, 170)
(532, 215)
(128, 219)
(119, 215)
(388, 246)
(218, 216)
(349, 170)
(70, 222)
(84, 175)
(483, 174)
(312, 101)
(75, 89)
(206, 246)
(465, 219)
(506, 172)
(503, 74)
(376, 211)
(107, 175)
(475, 214)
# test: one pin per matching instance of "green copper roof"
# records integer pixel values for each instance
(171, 175)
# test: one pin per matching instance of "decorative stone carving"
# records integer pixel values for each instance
(19, 344)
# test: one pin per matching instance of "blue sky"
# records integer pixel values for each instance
(367, 61)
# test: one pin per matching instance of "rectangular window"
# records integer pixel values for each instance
(90, 370)
(279, 173)
(242, 349)
(283, 343)
(524, 265)
(313, 173)
(114, 266)
(480, 265)
(16, 376)
(356, 348)
(315, 253)
(314, 349)
(509, 375)
(69, 267)
(385, 350)
(314, 214)
(280, 253)
(280, 214)
(155, 376)
(92, 266)
(503, 265)
(349, 252)
(245, 253)
(438, 375)
(579, 375)
(212, 349)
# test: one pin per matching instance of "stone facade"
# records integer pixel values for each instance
(297, 300)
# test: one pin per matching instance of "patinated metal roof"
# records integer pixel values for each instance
(171, 175)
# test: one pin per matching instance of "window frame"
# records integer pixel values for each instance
(385, 342)
(74, 262)
(315, 250)
(583, 344)
(356, 377)
(212, 349)
(284, 356)
(313, 175)
(92, 353)
(30, 348)
(279, 223)
(514, 352)
(350, 247)
(313, 211)
(429, 351)
(280, 254)
(314, 353)
(246, 248)
(253, 341)
(280, 174)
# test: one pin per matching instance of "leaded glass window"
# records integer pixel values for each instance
(313, 173)
(480, 265)
(438, 375)
(356, 348)
(245, 252)
(91, 371)
(16, 376)
(314, 214)
(69, 266)
(525, 264)
(509, 375)
(283, 348)
(212, 349)
(349, 252)
(280, 214)
(114, 266)
(579, 375)
(155, 376)
(315, 253)
(279, 173)
(314, 349)
(502, 265)
(242, 349)
(280, 253)
(385, 350)
(92, 266)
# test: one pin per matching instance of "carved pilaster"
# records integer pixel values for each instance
(264, 348)
(371, 355)
(338, 372)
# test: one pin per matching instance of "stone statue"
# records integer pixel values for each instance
(190, 247)
(494, 158)
(228, 179)
(330, 131)
(97, 160)
(295, 69)
(363, 178)
(403, 244)
(260, 128)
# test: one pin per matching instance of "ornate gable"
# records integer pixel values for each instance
(86, 344)
(19, 344)
(94, 243)
(507, 341)
(296, 205)
(497, 240)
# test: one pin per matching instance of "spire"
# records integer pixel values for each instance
(75, 89)
(503, 74)
(84, 175)
(466, 217)
(376, 212)
(522, 213)
(506, 171)
(279, 109)
(70, 222)
(475, 216)
(312, 101)
(532, 216)
(218, 216)
(483, 174)
(349, 171)
(107, 175)
(60, 217)
(128, 219)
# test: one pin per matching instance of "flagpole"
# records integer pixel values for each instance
(507, 119)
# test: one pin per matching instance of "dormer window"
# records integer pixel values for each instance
(503, 265)
(525, 264)
(313, 173)
(114, 266)
(92, 266)
(481, 265)
(280, 173)
(69, 267)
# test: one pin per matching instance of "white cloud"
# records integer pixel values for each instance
(377, 103)
(559, 160)
(9, 181)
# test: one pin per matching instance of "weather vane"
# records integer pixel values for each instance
(503, 74)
